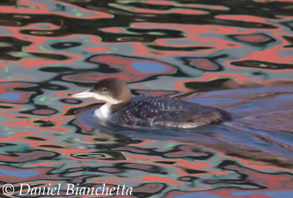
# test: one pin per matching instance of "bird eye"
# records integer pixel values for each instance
(104, 89)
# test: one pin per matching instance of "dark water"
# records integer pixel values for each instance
(235, 55)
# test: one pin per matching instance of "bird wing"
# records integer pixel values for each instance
(164, 111)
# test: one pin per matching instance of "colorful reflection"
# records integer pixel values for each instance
(236, 55)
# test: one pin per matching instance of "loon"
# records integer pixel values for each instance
(147, 111)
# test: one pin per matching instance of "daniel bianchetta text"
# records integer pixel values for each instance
(24, 189)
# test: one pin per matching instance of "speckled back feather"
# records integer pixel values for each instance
(164, 111)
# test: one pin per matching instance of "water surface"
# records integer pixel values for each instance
(235, 55)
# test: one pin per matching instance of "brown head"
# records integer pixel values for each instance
(112, 90)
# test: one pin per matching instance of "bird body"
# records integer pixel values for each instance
(148, 111)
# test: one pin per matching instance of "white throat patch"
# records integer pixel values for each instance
(106, 98)
(104, 112)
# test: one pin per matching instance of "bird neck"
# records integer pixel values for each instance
(106, 110)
